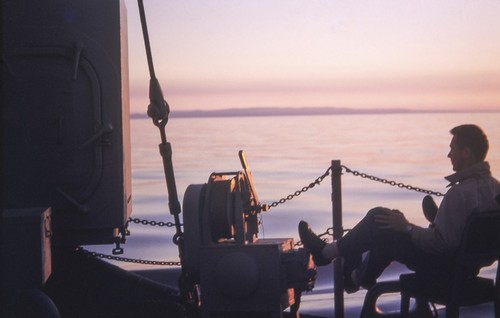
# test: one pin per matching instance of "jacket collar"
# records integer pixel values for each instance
(480, 169)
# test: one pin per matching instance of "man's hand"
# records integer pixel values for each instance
(392, 220)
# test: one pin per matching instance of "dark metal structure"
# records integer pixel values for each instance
(65, 146)
(66, 181)
(64, 115)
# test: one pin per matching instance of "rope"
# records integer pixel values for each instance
(145, 35)
(158, 108)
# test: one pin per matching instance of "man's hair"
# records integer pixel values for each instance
(473, 137)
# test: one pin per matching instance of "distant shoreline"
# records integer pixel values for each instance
(299, 111)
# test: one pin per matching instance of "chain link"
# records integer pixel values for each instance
(129, 260)
(289, 197)
(329, 232)
(391, 183)
(152, 223)
(304, 189)
(134, 260)
(355, 173)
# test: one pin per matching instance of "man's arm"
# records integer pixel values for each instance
(392, 220)
(449, 223)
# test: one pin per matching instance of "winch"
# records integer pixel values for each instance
(236, 273)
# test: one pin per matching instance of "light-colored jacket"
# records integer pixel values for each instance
(472, 189)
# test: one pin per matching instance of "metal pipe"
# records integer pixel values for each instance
(338, 232)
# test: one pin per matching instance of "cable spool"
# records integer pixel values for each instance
(221, 208)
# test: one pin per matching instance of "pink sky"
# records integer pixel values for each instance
(361, 53)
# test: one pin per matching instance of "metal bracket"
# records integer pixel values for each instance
(105, 129)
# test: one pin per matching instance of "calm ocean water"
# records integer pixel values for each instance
(287, 153)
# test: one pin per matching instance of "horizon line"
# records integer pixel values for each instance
(304, 111)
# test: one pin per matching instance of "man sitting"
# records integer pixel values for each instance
(388, 236)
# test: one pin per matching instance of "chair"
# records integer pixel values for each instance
(480, 246)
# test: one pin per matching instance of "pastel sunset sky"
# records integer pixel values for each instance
(417, 54)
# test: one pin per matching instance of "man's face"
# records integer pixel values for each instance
(459, 155)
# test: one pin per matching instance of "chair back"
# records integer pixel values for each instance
(480, 246)
(481, 242)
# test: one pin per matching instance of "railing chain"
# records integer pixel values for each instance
(329, 232)
(289, 197)
(304, 189)
(152, 223)
(391, 183)
(129, 260)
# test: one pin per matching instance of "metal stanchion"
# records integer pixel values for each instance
(338, 231)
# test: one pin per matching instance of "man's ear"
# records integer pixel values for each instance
(468, 154)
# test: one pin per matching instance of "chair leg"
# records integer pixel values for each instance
(452, 311)
(405, 305)
(496, 305)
